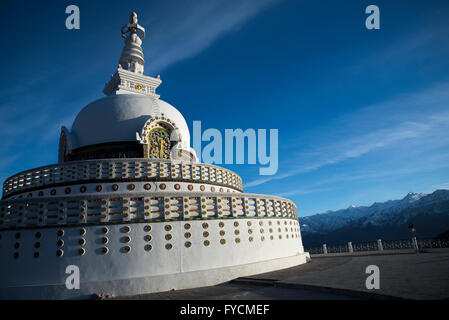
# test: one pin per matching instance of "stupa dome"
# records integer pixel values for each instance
(131, 122)
(118, 118)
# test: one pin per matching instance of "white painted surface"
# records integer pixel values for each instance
(150, 284)
(179, 267)
(118, 117)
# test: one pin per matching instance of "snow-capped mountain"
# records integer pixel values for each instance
(391, 212)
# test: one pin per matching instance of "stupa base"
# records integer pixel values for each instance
(153, 284)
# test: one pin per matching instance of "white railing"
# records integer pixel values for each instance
(116, 169)
(139, 207)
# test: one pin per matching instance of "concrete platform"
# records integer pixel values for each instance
(404, 275)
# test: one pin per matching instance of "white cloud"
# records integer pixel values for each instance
(434, 162)
(180, 34)
(417, 118)
(419, 39)
(444, 185)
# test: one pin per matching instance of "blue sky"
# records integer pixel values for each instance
(363, 115)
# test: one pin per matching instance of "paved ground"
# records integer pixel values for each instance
(405, 275)
(243, 291)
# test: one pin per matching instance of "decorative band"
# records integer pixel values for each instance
(120, 180)
(142, 221)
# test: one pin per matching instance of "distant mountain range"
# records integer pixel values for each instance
(382, 220)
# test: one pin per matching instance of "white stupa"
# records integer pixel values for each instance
(130, 206)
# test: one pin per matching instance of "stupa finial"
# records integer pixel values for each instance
(132, 56)
(133, 18)
(129, 77)
(133, 27)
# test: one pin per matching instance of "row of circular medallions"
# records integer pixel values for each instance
(126, 239)
(81, 241)
(7, 190)
(37, 245)
(205, 225)
(129, 187)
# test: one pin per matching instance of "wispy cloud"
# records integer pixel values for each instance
(434, 162)
(444, 185)
(397, 52)
(181, 34)
(305, 190)
(418, 118)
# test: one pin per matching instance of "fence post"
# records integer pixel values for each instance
(415, 244)
(350, 248)
(324, 249)
(380, 247)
